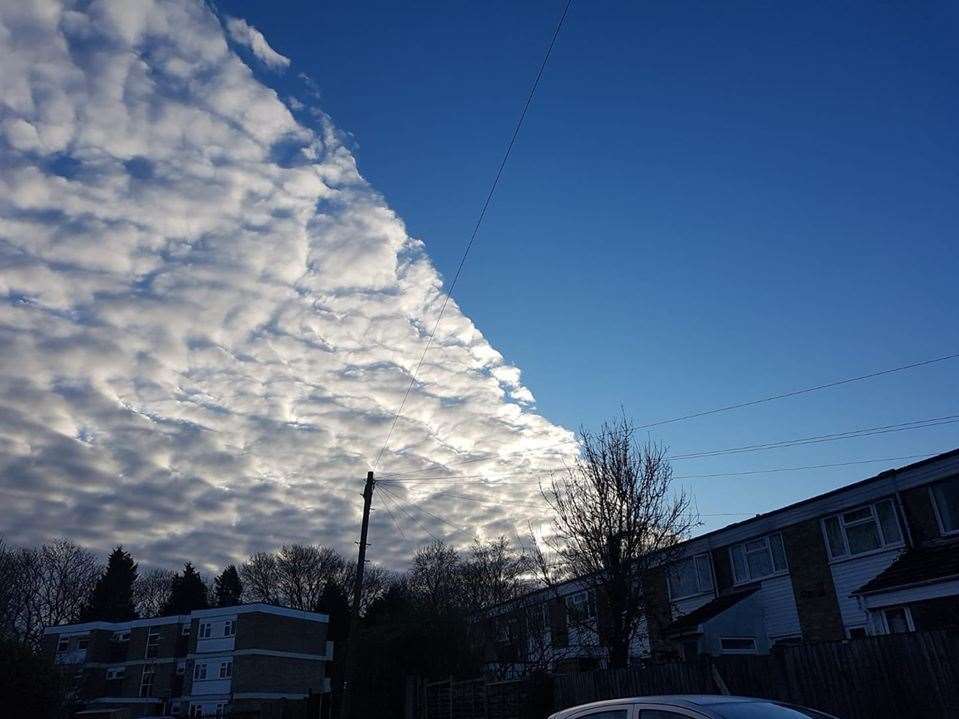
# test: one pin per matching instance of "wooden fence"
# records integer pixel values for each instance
(902, 676)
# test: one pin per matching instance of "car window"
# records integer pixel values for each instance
(606, 714)
(763, 710)
(660, 714)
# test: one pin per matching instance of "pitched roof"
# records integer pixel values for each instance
(709, 610)
(917, 565)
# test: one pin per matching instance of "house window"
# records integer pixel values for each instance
(862, 530)
(63, 644)
(199, 671)
(226, 670)
(153, 644)
(856, 633)
(83, 643)
(945, 496)
(220, 710)
(206, 630)
(581, 606)
(146, 681)
(693, 575)
(115, 673)
(123, 636)
(186, 630)
(229, 629)
(196, 711)
(180, 668)
(537, 618)
(898, 620)
(737, 645)
(758, 558)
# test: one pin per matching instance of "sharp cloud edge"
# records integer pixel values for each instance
(209, 317)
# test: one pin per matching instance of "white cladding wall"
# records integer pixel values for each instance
(850, 574)
(779, 607)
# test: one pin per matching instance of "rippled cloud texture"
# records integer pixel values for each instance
(208, 317)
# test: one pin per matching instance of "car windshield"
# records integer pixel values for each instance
(764, 710)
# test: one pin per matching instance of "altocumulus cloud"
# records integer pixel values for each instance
(208, 317)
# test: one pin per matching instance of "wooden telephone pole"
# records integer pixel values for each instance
(351, 641)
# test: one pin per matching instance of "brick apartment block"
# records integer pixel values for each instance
(247, 658)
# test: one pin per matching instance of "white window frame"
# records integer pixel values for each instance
(874, 518)
(737, 581)
(63, 645)
(585, 598)
(153, 641)
(199, 672)
(205, 630)
(229, 628)
(226, 669)
(220, 709)
(694, 559)
(910, 624)
(114, 673)
(935, 508)
(83, 643)
(185, 631)
(149, 670)
(753, 650)
(122, 636)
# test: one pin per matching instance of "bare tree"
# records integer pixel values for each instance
(495, 572)
(261, 578)
(152, 590)
(616, 518)
(376, 580)
(43, 587)
(435, 580)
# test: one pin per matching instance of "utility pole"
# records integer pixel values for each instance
(348, 654)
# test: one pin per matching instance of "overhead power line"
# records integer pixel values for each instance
(479, 222)
(726, 408)
(533, 472)
(794, 393)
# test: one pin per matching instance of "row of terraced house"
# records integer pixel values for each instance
(247, 660)
(875, 557)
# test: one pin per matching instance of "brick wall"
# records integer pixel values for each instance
(256, 673)
(812, 582)
(267, 631)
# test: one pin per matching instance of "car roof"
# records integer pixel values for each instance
(687, 701)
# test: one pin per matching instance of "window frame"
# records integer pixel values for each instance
(935, 507)
(907, 612)
(205, 630)
(153, 643)
(229, 628)
(185, 630)
(226, 669)
(149, 670)
(589, 603)
(200, 671)
(766, 539)
(63, 645)
(693, 560)
(839, 517)
(752, 640)
(83, 643)
(115, 673)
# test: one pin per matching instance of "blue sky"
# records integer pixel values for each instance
(215, 275)
(708, 203)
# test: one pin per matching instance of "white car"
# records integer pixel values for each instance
(689, 706)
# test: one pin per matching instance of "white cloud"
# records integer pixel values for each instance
(245, 34)
(208, 317)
